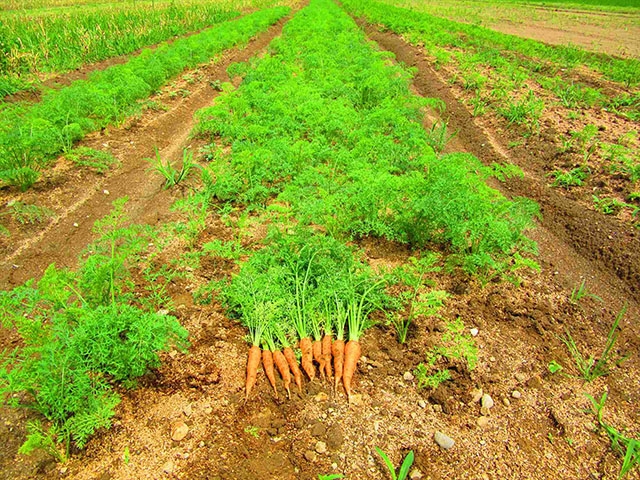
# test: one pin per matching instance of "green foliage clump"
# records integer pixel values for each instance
(82, 334)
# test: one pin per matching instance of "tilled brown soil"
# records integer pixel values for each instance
(540, 432)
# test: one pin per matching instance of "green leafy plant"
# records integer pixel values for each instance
(438, 137)
(572, 178)
(80, 337)
(403, 473)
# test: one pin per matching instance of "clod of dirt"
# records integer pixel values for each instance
(444, 441)
(310, 456)
(482, 421)
(318, 429)
(335, 437)
(168, 467)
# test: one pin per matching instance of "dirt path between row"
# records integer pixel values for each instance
(577, 242)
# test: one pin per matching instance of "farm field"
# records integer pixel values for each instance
(316, 240)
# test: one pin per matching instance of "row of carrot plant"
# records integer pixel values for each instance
(325, 133)
(30, 135)
(536, 95)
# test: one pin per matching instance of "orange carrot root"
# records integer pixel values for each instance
(307, 358)
(326, 355)
(317, 356)
(283, 368)
(338, 361)
(253, 362)
(293, 365)
(267, 363)
(351, 356)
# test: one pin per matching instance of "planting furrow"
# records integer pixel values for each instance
(32, 135)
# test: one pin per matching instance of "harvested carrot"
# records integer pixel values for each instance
(267, 363)
(317, 356)
(253, 362)
(293, 365)
(307, 358)
(283, 368)
(255, 321)
(351, 356)
(326, 354)
(338, 361)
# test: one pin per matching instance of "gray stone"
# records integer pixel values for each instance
(487, 401)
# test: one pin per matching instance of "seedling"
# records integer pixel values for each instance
(578, 293)
(252, 430)
(331, 476)
(403, 473)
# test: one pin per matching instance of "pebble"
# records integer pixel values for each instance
(106, 192)
(310, 455)
(516, 394)
(415, 474)
(492, 359)
(334, 466)
(168, 467)
(201, 444)
(355, 399)
(63, 470)
(521, 377)
(321, 447)
(187, 410)
(179, 431)
(482, 421)
(487, 401)
(422, 403)
(443, 440)
(408, 376)
(506, 402)
(318, 429)
(208, 410)
(75, 224)
(476, 395)
(321, 397)
(474, 332)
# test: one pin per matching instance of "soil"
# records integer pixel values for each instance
(541, 432)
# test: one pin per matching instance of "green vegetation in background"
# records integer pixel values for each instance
(329, 127)
(438, 32)
(31, 135)
(85, 333)
(62, 42)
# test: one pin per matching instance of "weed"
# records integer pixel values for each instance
(437, 136)
(27, 214)
(252, 430)
(592, 368)
(172, 175)
(403, 473)
(98, 160)
(331, 476)
(580, 292)
(626, 447)
(608, 206)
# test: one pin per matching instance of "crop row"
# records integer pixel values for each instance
(530, 96)
(532, 55)
(32, 134)
(34, 44)
(325, 134)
